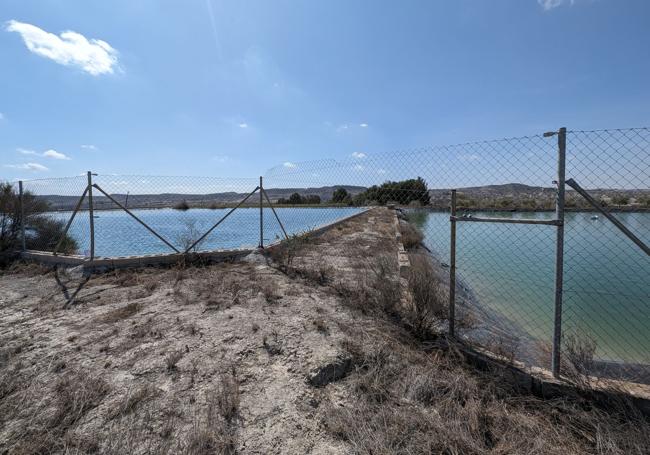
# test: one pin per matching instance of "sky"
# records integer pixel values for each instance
(230, 89)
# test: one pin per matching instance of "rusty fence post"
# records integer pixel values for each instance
(452, 268)
(559, 253)
(91, 215)
(21, 200)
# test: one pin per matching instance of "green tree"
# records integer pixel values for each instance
(295, 198)
(340, 195)
(402, 192)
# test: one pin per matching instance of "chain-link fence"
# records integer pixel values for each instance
(509, 297)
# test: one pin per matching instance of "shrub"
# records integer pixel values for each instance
(411, 236)
(341, 195)
(429, 304)
(182, 205)
(403, 192)
(41, 232)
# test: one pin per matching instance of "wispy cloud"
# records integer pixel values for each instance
(89, 147)
(46, 154)
(289, 164)
(69, 48)
(35, 167)
(358, 167)
(381, 171)
(221, 158)
(550, 4)
(2, 116)
(363, 125)
(243, 125)
(358, 155)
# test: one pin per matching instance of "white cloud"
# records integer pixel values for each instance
(363, 125)
(2, 116)
(89, 147)
(289, 164)
(28, 167)
(358, 167)
(56, 155)
(69, 48)
(358, 155)
(221, 158)
(381, 171)
(243, 125)
(342, 127)
(46, 154)
(550, 4)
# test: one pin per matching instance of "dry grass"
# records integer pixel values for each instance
(429, 303)
(411, 236)
(405, 401)
(121, 313)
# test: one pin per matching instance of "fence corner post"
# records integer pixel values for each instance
(559, 253)
(21, 201)
(91, 215)
(452, 268)
(261, 214)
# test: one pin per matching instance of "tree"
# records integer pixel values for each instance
(621, 199)
(312, 199)
(340, 195)
(41, 231)
(295, 198)
(402, 192)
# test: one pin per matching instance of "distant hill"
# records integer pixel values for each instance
(58, 202)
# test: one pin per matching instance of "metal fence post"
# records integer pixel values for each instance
(261, 214)
(22, 215)
(91, 215)
(559, 252)
(452, 268)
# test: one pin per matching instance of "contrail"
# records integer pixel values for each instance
(214, 29)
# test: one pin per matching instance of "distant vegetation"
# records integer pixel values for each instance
(298, 199)
(41, 231)
(405, 192)
(182, 205)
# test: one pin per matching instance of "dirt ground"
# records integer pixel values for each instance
(296, 351)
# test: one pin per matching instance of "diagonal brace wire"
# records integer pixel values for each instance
(573, 184)
(220, 221)
(67, 226)
(276, 215)
(136, 218)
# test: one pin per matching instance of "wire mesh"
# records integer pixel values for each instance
(606, 313)
(505, 272)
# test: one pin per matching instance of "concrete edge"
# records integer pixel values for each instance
(45, 257)
(543, 386)
(320, 230)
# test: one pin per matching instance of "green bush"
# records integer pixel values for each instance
(403, 192)
(41, 231)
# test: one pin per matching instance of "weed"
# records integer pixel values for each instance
(172, 359)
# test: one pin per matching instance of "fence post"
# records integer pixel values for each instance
(559, 252)
(261, 214)
(91, 215)
(452, 268)
(22, 215)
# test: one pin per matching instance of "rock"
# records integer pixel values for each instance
(330, 372)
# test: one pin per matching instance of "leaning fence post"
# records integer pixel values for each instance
(22, 215)
(91, 215)
(452, 268)
(559, 252)
(261, 214)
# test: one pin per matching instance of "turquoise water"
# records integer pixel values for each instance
(511, 269)
(117, 234)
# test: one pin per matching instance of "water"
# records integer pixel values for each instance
(511, 268)
(117, 234)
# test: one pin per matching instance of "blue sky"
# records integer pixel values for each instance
(205, 87)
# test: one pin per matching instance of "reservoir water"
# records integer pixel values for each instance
(511, 269)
